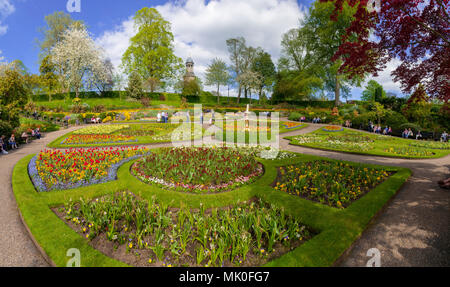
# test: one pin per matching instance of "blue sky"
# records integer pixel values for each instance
(200, 27)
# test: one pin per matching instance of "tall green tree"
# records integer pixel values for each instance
(236, 48)
(374, 92)
(324, 37)
(13, 95)
(217, 74)
(135, 87)
(264, 66)
(49, 79)
(151, 52)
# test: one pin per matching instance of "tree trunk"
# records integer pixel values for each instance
(218, 95)
(239, 94)
(337, 92)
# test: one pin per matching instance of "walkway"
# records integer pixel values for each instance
(413, 230)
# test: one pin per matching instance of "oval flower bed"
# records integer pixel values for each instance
(198, 170)
(149, 233)
(330, 183)
(97, 139)
(291, 125)
(56, 169)
(333, 129)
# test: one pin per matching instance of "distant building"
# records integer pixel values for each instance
(189, 76)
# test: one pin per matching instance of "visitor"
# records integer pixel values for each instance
(370, 127)
(201, 117)
(3, 145)
(390, 131)
(444, 137)
(410, 133)
(386, 131)
(37, 133)
(25, 137)
(12, 142)
(188, 117)
(158, 118)
(405, 133)
(419, 136)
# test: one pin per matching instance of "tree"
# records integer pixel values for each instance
(264, 66)
(418, 106)
(13, 95)
(48, 77)
(82, 61)
(151, 52)
(192, 88)
(217, 74)
(236, 47)
(135, 86)
(373, 92)
(53, 33)
(295, 86)
(324, 37)
(379, 111)
(416, 32)
(251, 80)
(104, 77)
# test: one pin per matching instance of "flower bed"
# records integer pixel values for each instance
(291, 125)
(144, 233)
(344, 142)
(198, 169)
(55, 169)
(431, 145)
(333, 129)
(97, 139)
(330, 183)
(408, 151)
(100, 129)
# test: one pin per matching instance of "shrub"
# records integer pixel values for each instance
(294, 116)
(145, 101)
(99, 109)
(394, 120)
(5, 129)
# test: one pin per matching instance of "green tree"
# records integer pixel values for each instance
(151, 52)
(379, 111)
(217, 74)
(324, 37)
(418, 106)
(13, 96)
(236, 48)
(49, 79)
(264, 66)
(374, 92)
(135, 87)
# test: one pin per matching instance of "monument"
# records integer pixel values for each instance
(189, 76)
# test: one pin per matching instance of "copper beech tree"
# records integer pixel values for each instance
(417, 32)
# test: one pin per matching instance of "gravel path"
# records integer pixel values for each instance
(413, 229)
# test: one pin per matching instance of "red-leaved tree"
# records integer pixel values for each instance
(417, 32)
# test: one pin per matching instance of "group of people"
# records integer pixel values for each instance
(95, 120)
(316, 120)
(11, 143)
(408, 133)
(162, 117)
(378, 129)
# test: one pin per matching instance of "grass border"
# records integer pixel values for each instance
(338, 229)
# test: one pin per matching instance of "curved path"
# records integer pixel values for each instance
(412, 230)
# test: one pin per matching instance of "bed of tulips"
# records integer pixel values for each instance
(152, 234)
(331, 183)
(408, 151)
(333, 129)
(65, 169)
(344, 142)
(100, 129)
(431, 145)
(198, 169)
(76, 139)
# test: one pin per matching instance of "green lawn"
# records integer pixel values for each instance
(337, 228)
(358, 142)
(108, 103)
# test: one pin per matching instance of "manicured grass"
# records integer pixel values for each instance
(372, 144)
(108, 103)
(160, 133)
(337, 229)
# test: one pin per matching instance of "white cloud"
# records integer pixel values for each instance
(6, 9)
(201, 29)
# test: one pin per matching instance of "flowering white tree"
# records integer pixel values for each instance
(83, 62)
